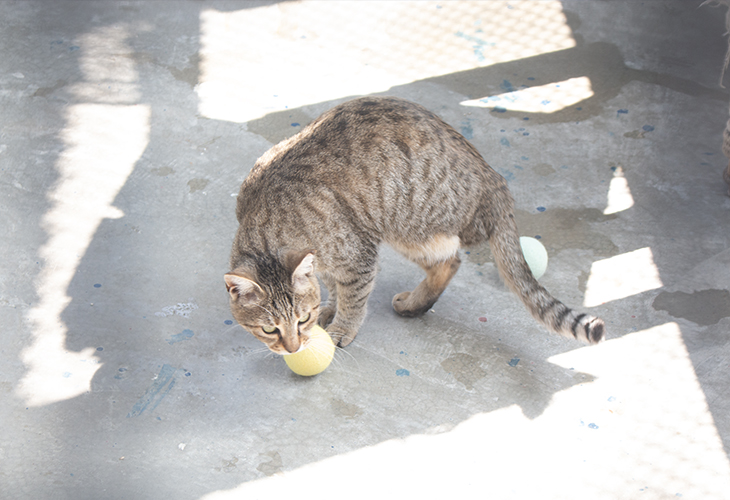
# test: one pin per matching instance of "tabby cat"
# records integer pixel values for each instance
(372, 170)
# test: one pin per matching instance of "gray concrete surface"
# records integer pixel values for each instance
(125, 131)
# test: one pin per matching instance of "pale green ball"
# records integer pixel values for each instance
(535, 255)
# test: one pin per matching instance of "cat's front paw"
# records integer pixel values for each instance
(342, 337)
(326, 315)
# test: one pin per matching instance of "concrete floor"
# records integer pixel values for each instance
(126, 129)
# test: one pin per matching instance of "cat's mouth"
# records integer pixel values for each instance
(303, 345)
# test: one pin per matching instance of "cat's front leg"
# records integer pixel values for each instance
(328, 309)
(352, 298)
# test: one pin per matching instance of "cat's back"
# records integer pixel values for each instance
(364, 139)
(389, 162)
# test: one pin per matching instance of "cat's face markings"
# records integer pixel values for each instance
(280, 313)
(286, 337)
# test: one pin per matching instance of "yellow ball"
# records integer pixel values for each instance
(316, 357)
(535, 255)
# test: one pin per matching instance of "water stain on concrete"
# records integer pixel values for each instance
(635, 134)
(227, 465)
(189, 74)
(543, 169)
(197, 184)
(163, 171)
(46, 91)
(465, 368)
(346, 410)
(274, 464)
(704, 307)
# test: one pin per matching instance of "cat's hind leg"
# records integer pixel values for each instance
(439, 258)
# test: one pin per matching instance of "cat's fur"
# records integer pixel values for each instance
(372, 170)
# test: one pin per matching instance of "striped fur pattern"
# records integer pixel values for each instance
(370, 171)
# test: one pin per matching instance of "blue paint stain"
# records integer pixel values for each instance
(531, 78)
(97, 285)
(179, 337)
(479, 44)
(154, 395)
(66, 374)
(467, 130)
(622, 112)
(499, 109)
(611, 399)
(295, 124)
(402, 372)
(513, 361)
(524, 158)
(592, 426)
(228, 322)
(504, 142)
(538, 237)
(73, 48)
(100, 349)
(508, 175)
(541, 209)
(648, 128)
(507, 86)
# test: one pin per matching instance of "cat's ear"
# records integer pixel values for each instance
(301, 265)
(243, 289)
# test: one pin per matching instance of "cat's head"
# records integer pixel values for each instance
(276, 298)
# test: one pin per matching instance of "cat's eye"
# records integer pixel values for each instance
(269, 329)
(304, 318)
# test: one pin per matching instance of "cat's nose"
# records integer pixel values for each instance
(291, 343)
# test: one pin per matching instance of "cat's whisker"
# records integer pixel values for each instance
(341, 351)
(372, 351)
(261, 350)
(233, 327)
(337, 358)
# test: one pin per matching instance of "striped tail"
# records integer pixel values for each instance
(553, 314)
